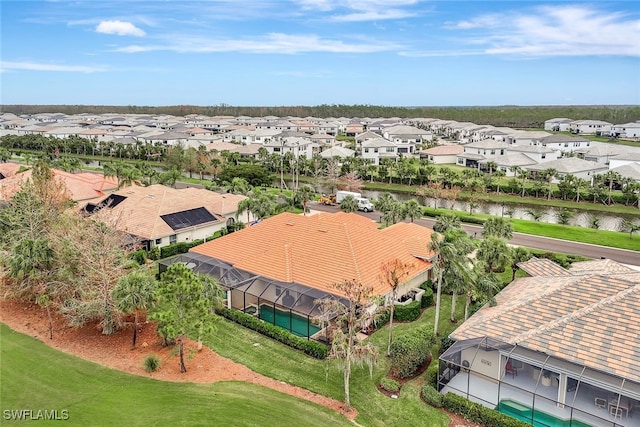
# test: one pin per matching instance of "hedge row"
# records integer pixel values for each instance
(407, 313)
(410, 351)
(431, 396)
(427, 297)
(312, 348)
(478, 413)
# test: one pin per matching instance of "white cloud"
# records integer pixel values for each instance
(38, 66)
(278, 43)
(554, 31)
(120, 28)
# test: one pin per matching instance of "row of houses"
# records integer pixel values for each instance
(461, 143)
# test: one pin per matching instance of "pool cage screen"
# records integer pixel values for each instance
(292, 306)
(474, 366)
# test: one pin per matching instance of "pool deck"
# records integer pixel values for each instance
(520, 389)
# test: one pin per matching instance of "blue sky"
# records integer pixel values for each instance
(311, 52)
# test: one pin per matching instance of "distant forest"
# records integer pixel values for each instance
(508, 115)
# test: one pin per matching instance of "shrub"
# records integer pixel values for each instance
(311, 348)
(407, 313)
(154, 253)
(139, 256)
(409, 352)
(479, 413)
(151, 363)
(432, 374)
(427, 297)
(390, 385)
(445, 343)
(431, 396)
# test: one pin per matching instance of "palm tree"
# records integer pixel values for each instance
(446, 254)
(303, 195)
(518, 254)
(238, 186)
(482, 286)
(610, 178)
(384, 202)
(413, 209)
(349, 204)
(549, 174)
(134, 293)
(499, 174)
(495, 253)
(498, 227)
(446, 222)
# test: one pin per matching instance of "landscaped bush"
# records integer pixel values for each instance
(445, 343)
(407, 313)
(154, 253)
(431, 396)
(151, 363)
(427, 297)
(312, 348)
(390, 385)
(478, 413)
(139, 256)
(409, 352)
(432, 374)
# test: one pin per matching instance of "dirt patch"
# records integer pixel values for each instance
(115, 351)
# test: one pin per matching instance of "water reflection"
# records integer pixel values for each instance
(546, 214)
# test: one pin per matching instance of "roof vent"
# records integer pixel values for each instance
(151, 196)
(290, 224)
(323, 230)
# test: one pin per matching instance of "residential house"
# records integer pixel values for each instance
(379, 148)
(562, 341)
(159, 216)
(570, 165)
(563, 143)
(288, 262)
(340, 152)
(590, 127)
(81, 186)
(442, 154)
(476, 151)
(408, 138)
(558, 124)
(627, 130)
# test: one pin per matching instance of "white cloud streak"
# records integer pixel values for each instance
(273, 43)
(554, 31)
(119, 28)
(38, 66)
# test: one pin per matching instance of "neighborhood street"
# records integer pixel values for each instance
(623, 256)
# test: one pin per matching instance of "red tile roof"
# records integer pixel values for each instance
(322, 249)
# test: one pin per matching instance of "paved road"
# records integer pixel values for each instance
(623, 256)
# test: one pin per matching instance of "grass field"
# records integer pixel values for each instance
(36, 377)
(375, 409)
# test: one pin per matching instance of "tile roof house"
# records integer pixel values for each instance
(442, 154)
(580, 326)
(158, 215)
(82, 186)
(304, 256)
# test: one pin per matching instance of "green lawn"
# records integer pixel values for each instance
(278, 361)
(36, 377)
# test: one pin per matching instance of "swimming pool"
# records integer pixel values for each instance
(540, 419)
(298, 325)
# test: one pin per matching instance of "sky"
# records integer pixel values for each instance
(313, 52)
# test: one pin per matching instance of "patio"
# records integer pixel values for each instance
(489, 372)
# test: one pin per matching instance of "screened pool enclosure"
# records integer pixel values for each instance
(292, 306)
(536, 387)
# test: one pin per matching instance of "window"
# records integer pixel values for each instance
(460, 161)
(276, 149)
(375, 150)
(493, 151)
(390, 149)
(158, 241)
(173, 239)
(366, 150)
(544, 156)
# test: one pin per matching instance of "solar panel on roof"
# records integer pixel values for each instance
(188, 218)
(112, 201)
